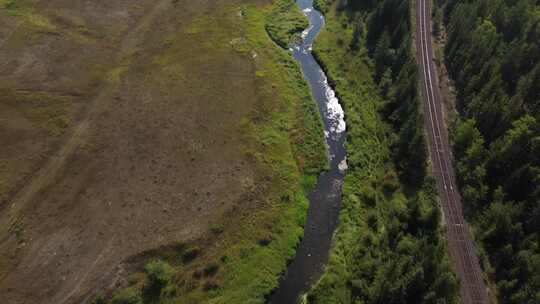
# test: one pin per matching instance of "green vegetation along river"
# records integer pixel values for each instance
(325, 199)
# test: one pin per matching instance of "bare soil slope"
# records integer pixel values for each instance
(119, 132)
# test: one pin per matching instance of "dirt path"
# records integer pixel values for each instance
(80, 281)
(472, 288)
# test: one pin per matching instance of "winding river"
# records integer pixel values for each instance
(325, 199)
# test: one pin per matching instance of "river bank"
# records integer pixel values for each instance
(325, 199)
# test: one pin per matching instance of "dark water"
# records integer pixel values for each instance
(325, 199)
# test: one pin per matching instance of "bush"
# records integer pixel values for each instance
(216, 228)
(190, 254)
(159, 275)
(98, 300)
(127, 296)
(211, 269)
(210, 285)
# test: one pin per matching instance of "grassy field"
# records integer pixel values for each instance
(191, 140)
(242, 259)
(285, 22)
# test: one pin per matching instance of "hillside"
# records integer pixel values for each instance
(166, 131)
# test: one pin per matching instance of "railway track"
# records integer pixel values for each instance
(462, 250)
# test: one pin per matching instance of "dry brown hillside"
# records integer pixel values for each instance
(120, 131)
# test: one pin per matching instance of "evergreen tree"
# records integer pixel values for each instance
(493, 54)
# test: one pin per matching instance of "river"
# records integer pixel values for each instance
(325, 199)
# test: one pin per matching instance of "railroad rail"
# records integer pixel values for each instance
(462, 250)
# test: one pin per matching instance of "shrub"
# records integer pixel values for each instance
(127, 296)
(159, 275)
(211, 269)
(190, 254)
(98, 300)
(216, 228)
(210, 285)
